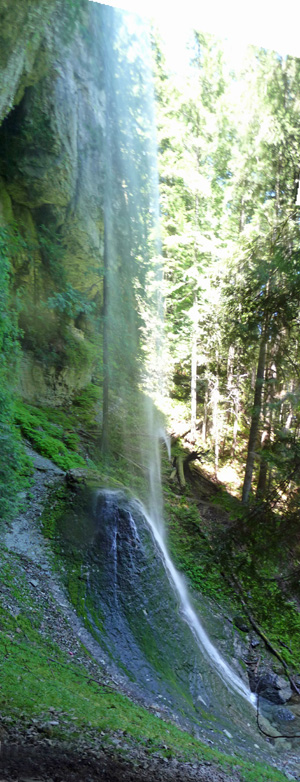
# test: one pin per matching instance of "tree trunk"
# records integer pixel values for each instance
(195, 320)
(263, 469)
(255, 417)
(204, 422)
(266, 434)
(236, 412)
(105, 402)
(194, 369)
(230, 363)
(215, 409)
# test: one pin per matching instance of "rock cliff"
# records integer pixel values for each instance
(51, 187)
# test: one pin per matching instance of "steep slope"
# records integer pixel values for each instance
(62, 707)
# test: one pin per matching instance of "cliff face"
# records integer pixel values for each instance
(51, 186)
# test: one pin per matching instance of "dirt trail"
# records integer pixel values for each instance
(60, 763)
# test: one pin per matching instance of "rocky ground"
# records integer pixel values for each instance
(28, 751)
(31, 759)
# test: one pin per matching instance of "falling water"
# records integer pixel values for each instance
(133, 356)
(228, 676)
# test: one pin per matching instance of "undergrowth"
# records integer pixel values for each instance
(211, 554)
(14, 465)
(192, 553)
(56, 434)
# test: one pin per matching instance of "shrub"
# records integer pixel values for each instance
(13, 463)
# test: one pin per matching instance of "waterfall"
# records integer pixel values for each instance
(229, 677)
(133, 356)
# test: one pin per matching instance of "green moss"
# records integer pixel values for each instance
(54, 508)
(46, 436)
(76, 586)
(68, 555)
(191, 552)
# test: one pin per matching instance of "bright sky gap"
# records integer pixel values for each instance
(262, 24)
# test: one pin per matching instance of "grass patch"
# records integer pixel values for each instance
(37, 679)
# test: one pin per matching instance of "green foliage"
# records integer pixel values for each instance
(253, 547)
(71, 440)
(14, 466)
(86, 402)
(9, 347)
(52, 252)
(256, 550)
(42, 335)
(47, 437)
(47, 322)
(231, 235)
(70, 303)
(192, 553)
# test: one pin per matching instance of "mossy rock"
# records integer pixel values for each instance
(83, 477)
(241, 623)
(78, 478)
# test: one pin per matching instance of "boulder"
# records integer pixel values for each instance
(285, 690)
(273, 688)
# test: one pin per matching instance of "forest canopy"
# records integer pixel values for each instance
(229, 161)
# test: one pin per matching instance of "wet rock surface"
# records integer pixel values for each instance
(273, 688)
(42, 757)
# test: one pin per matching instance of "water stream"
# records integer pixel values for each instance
(228, 676)
(134, 371)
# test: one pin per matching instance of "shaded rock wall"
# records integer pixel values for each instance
(22, 25)
(51, 186)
